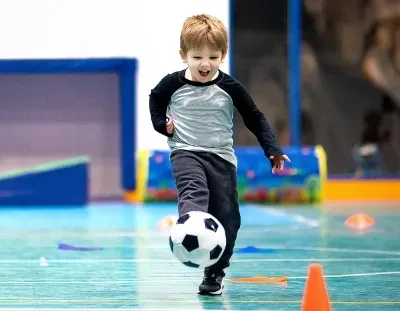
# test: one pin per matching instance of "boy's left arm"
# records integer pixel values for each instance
(256, 122)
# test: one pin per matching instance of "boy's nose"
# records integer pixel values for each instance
(205, 65)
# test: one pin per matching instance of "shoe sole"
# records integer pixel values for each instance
(207, 293)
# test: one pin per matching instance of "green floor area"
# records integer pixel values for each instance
(133, 267)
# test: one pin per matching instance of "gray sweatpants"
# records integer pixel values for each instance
(207, 183)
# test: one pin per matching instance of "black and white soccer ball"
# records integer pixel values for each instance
(197, 239)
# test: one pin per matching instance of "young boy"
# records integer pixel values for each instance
(194, 109)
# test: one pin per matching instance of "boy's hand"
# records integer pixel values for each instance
(170, 126)
(278, 162)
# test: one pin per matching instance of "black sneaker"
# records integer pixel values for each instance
(213, 283)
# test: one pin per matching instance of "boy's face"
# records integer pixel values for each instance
(203, 63)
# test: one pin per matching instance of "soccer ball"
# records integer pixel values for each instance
(197, 239)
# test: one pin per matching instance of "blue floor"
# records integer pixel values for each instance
(134, 268)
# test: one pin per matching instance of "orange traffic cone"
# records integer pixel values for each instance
(359, 221)
(316, 297)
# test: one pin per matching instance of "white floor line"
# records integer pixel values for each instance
(46, 282)
(317, 260)
(330, 249)
(144, 235)
(350, 275)
(299, 218)
(283, 247)
(181, 280)
(280, 228)
(142, 260)
(349, 250)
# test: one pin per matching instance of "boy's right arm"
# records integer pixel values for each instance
(159, 100)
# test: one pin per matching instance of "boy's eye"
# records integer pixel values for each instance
(212, 57)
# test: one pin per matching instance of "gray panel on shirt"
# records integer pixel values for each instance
(203, 119)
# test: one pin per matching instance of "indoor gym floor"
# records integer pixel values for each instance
(136, 270)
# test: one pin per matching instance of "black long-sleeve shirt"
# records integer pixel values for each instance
(202, 114)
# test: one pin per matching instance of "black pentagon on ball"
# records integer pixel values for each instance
(191, 264)
(171, 244)
(190, 242)
(181, 220)
(211, 224)
(214, 254)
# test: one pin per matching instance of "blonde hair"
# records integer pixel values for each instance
(204, 30)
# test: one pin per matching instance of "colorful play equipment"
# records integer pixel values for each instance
(302, 180)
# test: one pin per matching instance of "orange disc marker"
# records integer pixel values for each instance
(167, 222)
(316, 297)
(259, 279)
(360, 221)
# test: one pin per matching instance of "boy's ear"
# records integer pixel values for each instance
(224, 55)
(183, 56)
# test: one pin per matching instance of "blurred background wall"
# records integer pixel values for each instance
(46, 118)
(350, 66)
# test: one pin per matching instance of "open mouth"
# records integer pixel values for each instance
(204, 73)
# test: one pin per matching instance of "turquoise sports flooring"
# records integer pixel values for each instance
(136, 270)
